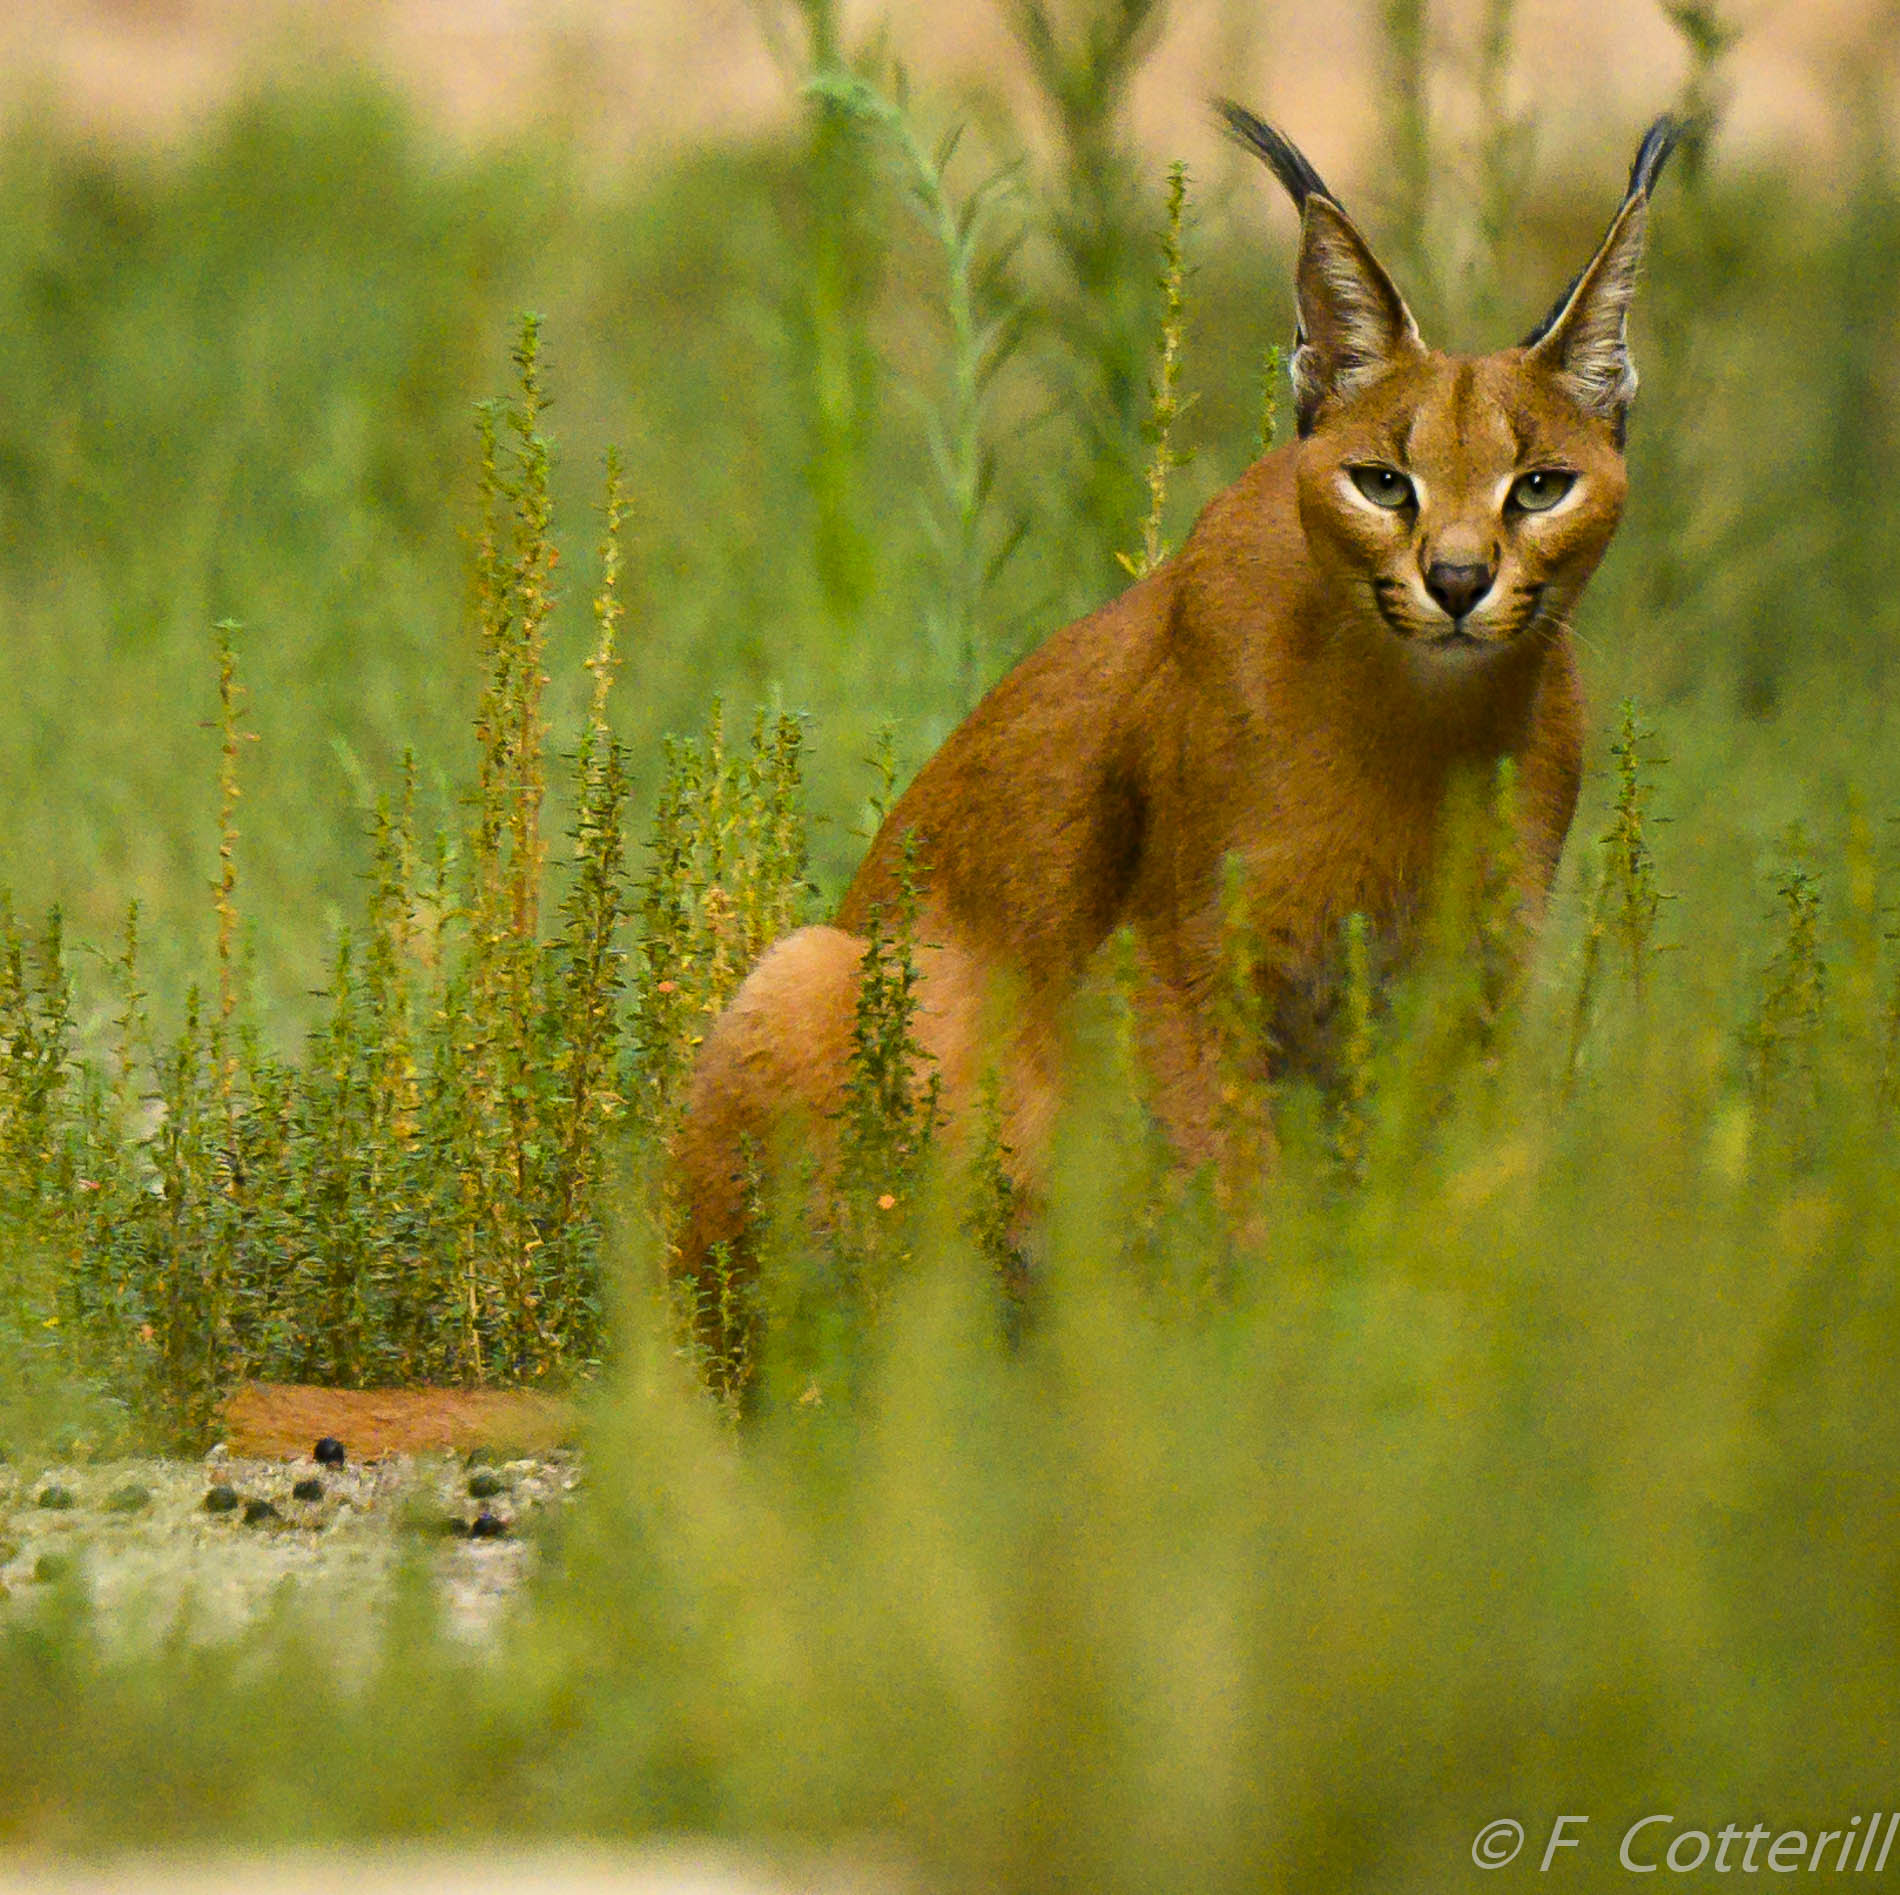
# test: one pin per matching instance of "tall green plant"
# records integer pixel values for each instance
(590, 973)
(1099, 307)
(725, 877)
(1626, 898)
(1167, 403)
(1783, 1038)
(983, 326)
(1405, 44)
(829, 306)
(1504, 141)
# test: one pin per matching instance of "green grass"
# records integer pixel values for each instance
(1526, 1448)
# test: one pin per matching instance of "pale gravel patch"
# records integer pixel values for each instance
(672, 1870)
(140, 1567)
(343, 1552)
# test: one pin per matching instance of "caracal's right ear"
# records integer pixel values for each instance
(1584, 341)
(1353, 323)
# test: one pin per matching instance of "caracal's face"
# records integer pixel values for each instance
(1464, 501)
(1454, 503)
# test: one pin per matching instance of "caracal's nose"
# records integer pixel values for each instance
(1457, 587)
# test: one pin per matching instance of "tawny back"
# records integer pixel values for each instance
(1366, 613)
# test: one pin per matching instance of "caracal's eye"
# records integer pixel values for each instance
(1540, 490)
(1384, 487)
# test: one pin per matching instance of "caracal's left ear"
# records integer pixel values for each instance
(1584, 341)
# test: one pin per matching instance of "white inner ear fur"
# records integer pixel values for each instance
(1588, 347)
(1355, 320)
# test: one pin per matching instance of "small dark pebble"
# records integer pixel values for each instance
(307, 1489)
(129, 1498)
(221, 1500)
(481, 1457)
(487, 1526)
(50, 1568)
(484, 1486)
(256, 1512)
(58, 1499)
(329, 1452)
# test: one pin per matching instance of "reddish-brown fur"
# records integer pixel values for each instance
(1284, 691)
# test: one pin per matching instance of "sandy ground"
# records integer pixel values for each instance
(623, 74)
(280, 1421)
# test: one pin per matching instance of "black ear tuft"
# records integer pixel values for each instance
(1651, 155)
(1281, 156)
(1584, 342)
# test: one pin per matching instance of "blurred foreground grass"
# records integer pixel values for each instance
(1534, 1451)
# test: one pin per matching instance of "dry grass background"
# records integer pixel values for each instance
(665, 73)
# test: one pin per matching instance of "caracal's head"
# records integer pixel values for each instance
(1463, 500)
